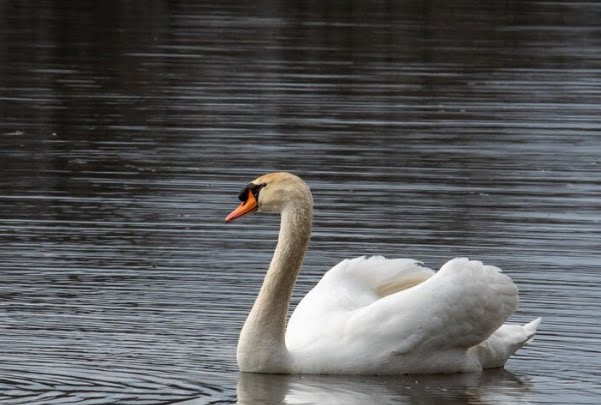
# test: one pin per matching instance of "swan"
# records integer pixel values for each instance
(371, 315)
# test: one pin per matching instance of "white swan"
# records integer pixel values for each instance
(371, 315)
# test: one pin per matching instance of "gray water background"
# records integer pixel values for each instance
(425, 129)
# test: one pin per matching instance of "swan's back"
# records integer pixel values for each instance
(355, 283)
(373, 315)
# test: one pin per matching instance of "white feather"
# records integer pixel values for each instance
(343, 325)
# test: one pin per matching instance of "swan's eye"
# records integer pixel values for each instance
(253, 188)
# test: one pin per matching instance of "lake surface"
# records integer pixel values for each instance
(427, 130)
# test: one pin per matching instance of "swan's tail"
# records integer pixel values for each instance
(530, 329)
(506, 340)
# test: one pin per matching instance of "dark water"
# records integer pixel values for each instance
(426, 129)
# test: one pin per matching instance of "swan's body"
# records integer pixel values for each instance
(371, 315)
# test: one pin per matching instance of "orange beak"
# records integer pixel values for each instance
(247, 207)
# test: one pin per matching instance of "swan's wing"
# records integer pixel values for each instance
(458, 307)
(350, 285)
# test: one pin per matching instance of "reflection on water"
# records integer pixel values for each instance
(490, 387)
(425, 129)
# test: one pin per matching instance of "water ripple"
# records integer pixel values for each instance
(429, 132)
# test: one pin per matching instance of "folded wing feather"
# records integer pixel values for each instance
(400, 306)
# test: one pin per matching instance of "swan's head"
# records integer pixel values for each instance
(272, 193)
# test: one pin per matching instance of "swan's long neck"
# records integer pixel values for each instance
(262, 346)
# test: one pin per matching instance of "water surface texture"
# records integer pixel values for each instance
(425, 129)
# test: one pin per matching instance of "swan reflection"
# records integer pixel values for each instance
(488, 387)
